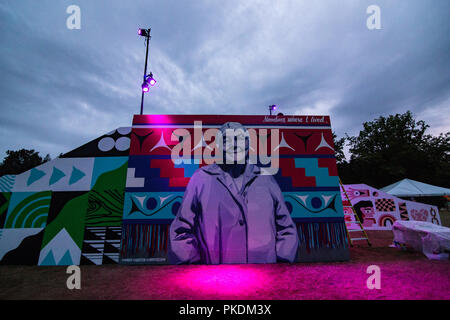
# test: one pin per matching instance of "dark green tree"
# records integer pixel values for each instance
(20, 161)
(339, 144)
(392, 148)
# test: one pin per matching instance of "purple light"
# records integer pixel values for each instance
(145, 87)
(150, 80)
(144, 32)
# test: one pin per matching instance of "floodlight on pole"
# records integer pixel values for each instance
(145, 87)
(148, 81)
(151, 81)
(144, 32)
(272, 108)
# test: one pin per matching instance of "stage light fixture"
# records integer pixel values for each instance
(272, 108)
(150, 80)
(143, 32)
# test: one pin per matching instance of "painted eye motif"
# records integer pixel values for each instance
(317, 202)
(145, 205)
(151, 203)
(357, 193)
(314, 204)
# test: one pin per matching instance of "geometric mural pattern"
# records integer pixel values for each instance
(104, 208)
(61, 250)
(7, 183)
(20, 246)
(28, 210)
(112, 199)
(101, 245)
(144, 243)
(45, 211)
(379, 210)
(403, 211)
(385, 205)
(155, 185)
(4, 203)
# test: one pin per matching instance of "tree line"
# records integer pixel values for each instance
(392, 148)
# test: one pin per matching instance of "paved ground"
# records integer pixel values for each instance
(404, 275)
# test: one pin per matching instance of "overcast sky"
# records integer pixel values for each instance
(61, 88)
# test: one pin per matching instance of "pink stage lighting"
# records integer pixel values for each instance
(223, 279)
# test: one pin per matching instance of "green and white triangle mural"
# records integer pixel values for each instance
(61, 251)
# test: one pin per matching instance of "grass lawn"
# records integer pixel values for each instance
(404, 275)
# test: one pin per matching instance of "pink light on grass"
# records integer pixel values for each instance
(223, 279)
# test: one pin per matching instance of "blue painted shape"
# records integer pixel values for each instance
(18, 197)
(311, 165)
(189, 169)
(35, 175)
(7, 183)
(151, 203)
(66, 260)
(49, 260)
(285, 183)
(316, 202)
(56, 176)
(153, 180)
(76, 175)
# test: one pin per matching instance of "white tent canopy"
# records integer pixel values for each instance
(412, 188)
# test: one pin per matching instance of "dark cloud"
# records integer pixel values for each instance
(61, 88)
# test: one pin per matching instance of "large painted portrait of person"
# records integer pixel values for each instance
(231, 213)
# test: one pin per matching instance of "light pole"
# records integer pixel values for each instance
(145, 33)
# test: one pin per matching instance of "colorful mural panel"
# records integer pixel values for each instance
(379, 210)
(155, 185)
(113, 199)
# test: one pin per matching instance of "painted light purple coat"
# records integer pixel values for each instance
(217, 223)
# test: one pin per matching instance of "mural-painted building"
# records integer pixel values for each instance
(112, 200)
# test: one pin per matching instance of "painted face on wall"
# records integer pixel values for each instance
(368, 216)
(235, 145)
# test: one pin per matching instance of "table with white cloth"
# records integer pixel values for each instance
(431, 239)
